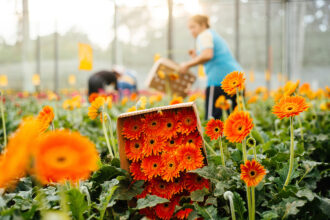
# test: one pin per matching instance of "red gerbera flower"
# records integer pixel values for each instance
(183, 213)
(178, 185)
(154, 124)
(148, 212)
(188, 121)
(171, 124)
(192, 138)
(190, 157)
(135, 169)
(166, 210)
(214, 129)
(170, 167)
(160, 188)
(153, 145)
(143, 194)
(132, 128)
(194, 182)
(134, 149)
(173, 144)
(151, 166)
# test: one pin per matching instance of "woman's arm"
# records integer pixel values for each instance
(206, 55)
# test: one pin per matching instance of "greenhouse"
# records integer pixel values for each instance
(164, 109)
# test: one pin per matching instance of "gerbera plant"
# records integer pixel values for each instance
(289, 107)
(214, 129)
(162, 147)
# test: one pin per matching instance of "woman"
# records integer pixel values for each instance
(213, 52)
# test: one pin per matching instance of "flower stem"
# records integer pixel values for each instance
(255, 152)
(112, 138)
(106, 133)
(228, 195)
(3, 120)
(221, 153)
(210, 148)
(301, 128)
(248, 195)
(244, 150)
(237, 100)
(253, 212)
(224, 115)
(291, 155)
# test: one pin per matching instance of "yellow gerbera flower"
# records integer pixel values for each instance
(94, 110)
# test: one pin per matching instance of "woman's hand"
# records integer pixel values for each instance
(192, 53)
(184, 68)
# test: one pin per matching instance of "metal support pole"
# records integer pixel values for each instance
(268, 42)
(287, 41)
(114, 42)
(56, 78)
(38, 57)
(170, 30)
(237, 28)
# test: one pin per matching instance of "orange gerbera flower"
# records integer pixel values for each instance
(173, 144)
(92, 97)
(232, 82)
(183, 213)
(176, 100)
(290, 106)
(154, 124)
(166, 210)
(153, 145)
(188, 121)
(132, 128)
(152, 166)
(64, 156)
(190, 157)
(194, 182)
(192, 138)
(253, 99)
(15, 160)
(171, 124)
(160, 188)
(237, 126)
(45, 117)
(214, 129)
(222, 103)
(170, 167)
(95, 109)
(252, 172)
(290, 87)
(304, 89)
(134, 149)
(135, 169)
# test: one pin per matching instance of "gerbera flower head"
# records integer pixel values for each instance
(64, 156)
(92, 97)
(132, 128)
(193, 182)
(304, 89)
(177, 186)
(148, 212)
(290, 106)
(171, 124)
(95, 109)
(15, 159)
(290, 87)
(170, 167)
(154, 124)
(232, 82)
(253, 99)
(192, 138)
(176, 100)
(188, 121)
(214, 129)
(153, 145)
(135, 169)
(190, 157)
(165, 210)
(45, 117)
(252, 173)
(152, 166)
(134, 149)
(222, 103)
(237, 126)
(183, 213)
(160, 188)
(173, 144)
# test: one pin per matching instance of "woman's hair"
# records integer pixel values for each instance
(201, 20)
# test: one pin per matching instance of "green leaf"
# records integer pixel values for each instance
(305, 193)
(269, 215)
(77, 203)
(239, 206)
(209, 213)
(291, 207)
(127, 190)
(107, 172)
(108, 189)
(324, 205)
(220, 189)
(150, 201)
(199, 195)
